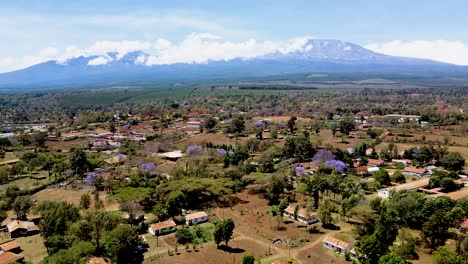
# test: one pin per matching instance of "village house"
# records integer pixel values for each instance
(162, 228)
(412, 171)
(405, 162)
(195, 124)
(173, 155)
(337, 245)
(375, 162)
(410, 186)
(18, 228)
(10, 257)
(196, 218)
(456, 195)
(10, 246)
(302, 215)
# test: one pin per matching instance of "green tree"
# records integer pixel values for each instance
(184, 235)
(101, 221)
(78, 162)
(382, 177)
(275, 189)
(325, 210)
(85, 201)
(248, 259)
(406, 246)
(121, 245)
(346, 125)
(391, 259)
(210, 122)
(435, 229)
(21, 206)
(292, 124)
(445, 256)
(398, 177)
(453, 161)
(223, 231)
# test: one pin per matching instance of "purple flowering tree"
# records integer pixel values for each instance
(147, 168)
(194, 150)
(322, 156)
(90, 177)
(259, 124)
(338, 165)
(221, 151)
(300, 170)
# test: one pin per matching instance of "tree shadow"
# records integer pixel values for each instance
(230, 249)
(331, 227)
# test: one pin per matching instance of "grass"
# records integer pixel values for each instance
(24, 183)
(9, 156)
(33, 248)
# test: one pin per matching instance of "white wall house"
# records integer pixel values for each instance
(162, 228)
(196, 218)
(302, 215)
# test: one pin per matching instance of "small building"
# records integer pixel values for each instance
(162, 228)
(372, 170)
(413, 171)
(410, 186)
(456, 195)
(196, 218)
(362, 170)
(369, 151)
(336, 245)
(405, 162)
(173, 155)
(10, 257)
(10, 246)
(302, 215)
(195, 124)
(18, 228)
(375, 162)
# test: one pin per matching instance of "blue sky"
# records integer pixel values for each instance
(34, 31)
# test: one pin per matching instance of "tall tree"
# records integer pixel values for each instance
(21, 206)
(78, 162)
(121, 245)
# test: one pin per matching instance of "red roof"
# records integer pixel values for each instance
(414, 170)
(375, 161)
(9, 257)
(162, 225)
(9, 245)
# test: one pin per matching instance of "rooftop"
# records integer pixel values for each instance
(9, 245)
(162, 225)
(195, 215)
(336, 242)
(16, 224)
(9, 257)
(415, 170)
(411, 185)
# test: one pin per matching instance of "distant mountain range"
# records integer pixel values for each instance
(131, 68)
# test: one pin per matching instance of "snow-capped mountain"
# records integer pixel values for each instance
(314, 56)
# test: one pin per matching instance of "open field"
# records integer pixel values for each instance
(209, 254)
(72, 196)
(33, 248)
(25, 183)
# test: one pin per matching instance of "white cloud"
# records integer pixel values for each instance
(455, 52)
(98, 61)
(162, 44)
(203, 47)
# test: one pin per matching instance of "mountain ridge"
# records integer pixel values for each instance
(314, 55)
